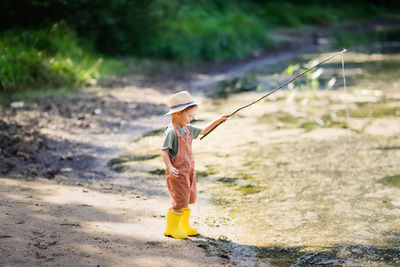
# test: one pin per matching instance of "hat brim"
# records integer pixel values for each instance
(182, 108)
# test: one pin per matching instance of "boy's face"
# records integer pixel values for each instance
(186, 116)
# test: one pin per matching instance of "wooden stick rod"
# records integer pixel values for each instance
(277, 88)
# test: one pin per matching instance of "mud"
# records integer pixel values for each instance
(28, 152)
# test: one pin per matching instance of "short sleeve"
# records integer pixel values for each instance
(169, 139)
(194, 130)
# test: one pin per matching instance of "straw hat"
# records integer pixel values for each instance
(180, 101)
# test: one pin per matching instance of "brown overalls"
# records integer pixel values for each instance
(182, 189)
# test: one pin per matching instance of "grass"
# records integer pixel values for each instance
(198, 32)
(46, 58)
(50, 58)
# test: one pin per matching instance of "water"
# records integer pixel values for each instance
(291, 164)
(301, 182)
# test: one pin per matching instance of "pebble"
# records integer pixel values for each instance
(18, 104)
(97, 111)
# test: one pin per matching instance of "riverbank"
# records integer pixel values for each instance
(86, 214)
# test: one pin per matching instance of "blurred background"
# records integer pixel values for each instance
(61, 43)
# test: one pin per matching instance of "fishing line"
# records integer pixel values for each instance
(349, 145)
(276, 89)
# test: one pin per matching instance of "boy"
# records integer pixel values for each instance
(179, 163)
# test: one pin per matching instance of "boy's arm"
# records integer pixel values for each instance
(212, 124)
(168, 165)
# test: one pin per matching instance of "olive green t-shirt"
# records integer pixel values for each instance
(171, 139)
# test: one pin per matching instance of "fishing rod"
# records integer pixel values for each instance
(277, 88)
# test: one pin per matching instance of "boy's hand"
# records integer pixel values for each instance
(174, 171)
(210, 126)
(222, 118)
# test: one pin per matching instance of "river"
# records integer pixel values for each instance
(311, 175)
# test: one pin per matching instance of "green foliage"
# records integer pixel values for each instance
(295, 14)
(182, 30)
(346, 39)
(201, 32)
(50, 57)
(38, 50)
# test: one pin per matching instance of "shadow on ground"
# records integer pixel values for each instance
(51, 224)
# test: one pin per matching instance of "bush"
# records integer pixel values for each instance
(50, 57)
(195, 34)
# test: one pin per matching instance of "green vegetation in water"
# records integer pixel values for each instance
(250, 189)
(393, 180)
(286, 120)
(202, 174)
(308, 125)
(372, 110)
(388, 148)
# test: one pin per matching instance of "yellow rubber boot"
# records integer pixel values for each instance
(172, 228)
(184, 223)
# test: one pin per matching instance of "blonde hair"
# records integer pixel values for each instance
(186, 109)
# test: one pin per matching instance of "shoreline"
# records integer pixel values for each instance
(85, 214)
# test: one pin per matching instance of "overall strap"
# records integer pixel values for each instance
(176, 130)
(187, 130)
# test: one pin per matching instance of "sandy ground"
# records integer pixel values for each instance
(49, 223)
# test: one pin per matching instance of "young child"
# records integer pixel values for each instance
(179, 163)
